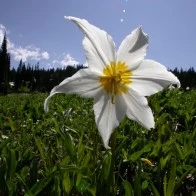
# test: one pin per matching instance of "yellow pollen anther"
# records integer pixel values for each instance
(115, 79)
(147, 162)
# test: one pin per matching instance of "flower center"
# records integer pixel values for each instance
(116, 78)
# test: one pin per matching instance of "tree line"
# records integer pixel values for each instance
(30, 78)
(4, 67)
(27, 78)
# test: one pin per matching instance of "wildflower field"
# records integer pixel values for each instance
(61, 152)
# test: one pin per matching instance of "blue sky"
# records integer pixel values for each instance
(37, 30)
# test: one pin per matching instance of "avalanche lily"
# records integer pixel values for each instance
(118, 81)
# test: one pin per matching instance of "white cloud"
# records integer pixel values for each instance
(85, 64)
(65, 60)
(3, 30)
(68, 60)
(45, 55)
(28, 53)
(25, 53)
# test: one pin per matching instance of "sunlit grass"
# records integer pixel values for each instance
(61, 152)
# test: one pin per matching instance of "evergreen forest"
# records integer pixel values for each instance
(28, 78)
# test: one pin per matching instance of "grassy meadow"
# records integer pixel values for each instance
(61, 153)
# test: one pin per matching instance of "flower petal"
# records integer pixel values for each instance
(138, 109)
(108, 115)
(84, 83)
(151, 77)
(133, 48)
(98, 45)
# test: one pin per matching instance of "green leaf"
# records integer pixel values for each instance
(12, 125)
(11, 187)
(80, 148)
(179, 151)
(66, 182)
(33, 173)
(156, 148)
(57, 186)
(2, 176)
(144, 184)
(137, 182)
(136, 142)
(153, 188)
(75, 169)
(78, 180)
(86, 159)
(164, 161)
(41, 149)
(165, 184)
(135, 156)
(106, 166)
(179, 182)
(65, 161)
(40, 185)
(22, 180)
(4, 143)
(171, 182)
(148, 147)
(69, 144)
(11, 163)
(128, 188)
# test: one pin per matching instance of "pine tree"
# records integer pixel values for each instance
(4, 67)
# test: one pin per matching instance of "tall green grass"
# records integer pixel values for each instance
(61, 152)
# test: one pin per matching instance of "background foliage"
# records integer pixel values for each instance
(61, 152)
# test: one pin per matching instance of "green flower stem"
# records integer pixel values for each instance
(111, 176)
(95, 150)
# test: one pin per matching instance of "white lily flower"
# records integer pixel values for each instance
(118, 81)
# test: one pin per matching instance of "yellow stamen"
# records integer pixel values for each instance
(115, 79)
